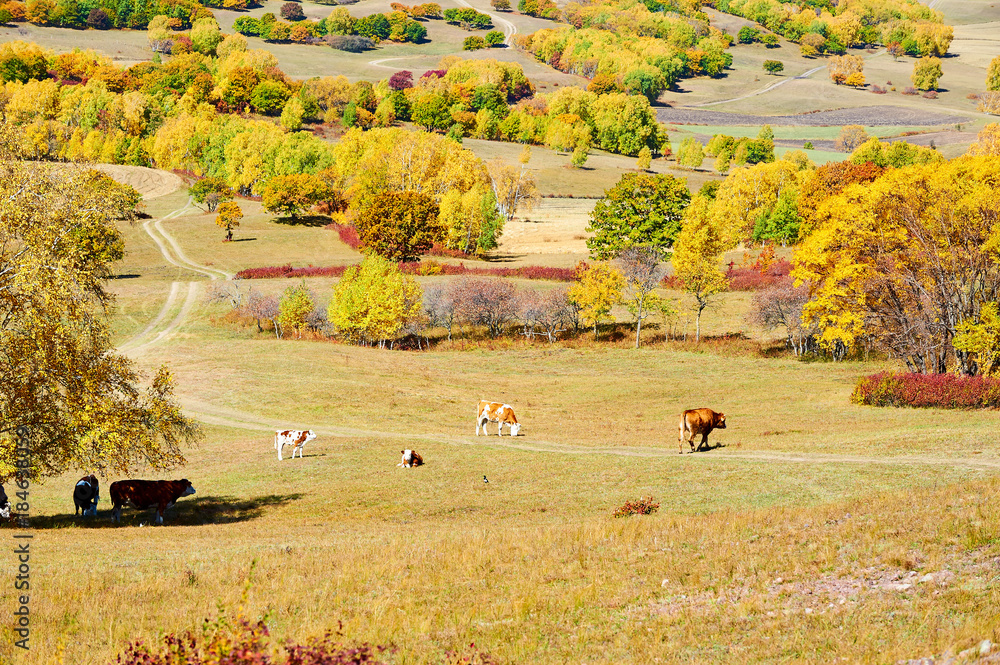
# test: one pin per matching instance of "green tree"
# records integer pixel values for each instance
(399, 225)
(431, 112)
(290, 194)
(926, 73)
(774, 66)
(493, 38)
(211, 192)
(269, 97)
(473, 43)
(81, 403)
(690, 154)
(642, 209)
(781, 222)
(597, 290)
(205, 36)
(374, 302)
(297, 303)
(697, 256)
(229, 218)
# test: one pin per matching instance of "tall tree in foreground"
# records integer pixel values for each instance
(642, 271)
(641, 210)
(697, 256)
(83, 404)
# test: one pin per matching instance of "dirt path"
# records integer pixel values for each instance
(156, 331)
(509, 29)
(804, 75)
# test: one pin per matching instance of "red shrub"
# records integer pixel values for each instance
(752, 279)
(415, 268)
(638, 507)
(348, 234)
(946, 391)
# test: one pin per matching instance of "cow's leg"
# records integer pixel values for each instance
(280, 446)
(116, 513)
(704, 441)
(479, 420)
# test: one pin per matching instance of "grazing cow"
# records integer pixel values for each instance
(296, 438)
(4, 504)
(143, 494)
(86, 494)
(699, 421)
(495, 412)
(410, 459)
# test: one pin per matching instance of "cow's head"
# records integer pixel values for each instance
(720, 421)
(189, 490)
(515, 428)
(310, 435)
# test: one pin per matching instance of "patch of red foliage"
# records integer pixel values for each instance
(638, 507)
(944, 391)
(416, 268)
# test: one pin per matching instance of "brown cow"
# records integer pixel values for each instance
(144, 494)
(699, 421)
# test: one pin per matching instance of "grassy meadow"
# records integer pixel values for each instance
(812, 530)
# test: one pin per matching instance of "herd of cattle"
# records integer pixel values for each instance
(162, 494)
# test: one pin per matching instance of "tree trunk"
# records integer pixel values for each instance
(595, 331)
(638, 326)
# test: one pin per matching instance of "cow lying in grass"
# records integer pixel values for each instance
(410, 459)
(296, 438)
(86, 494)
(495, 412)
(4, 504)
(144, 494)
(697, 422)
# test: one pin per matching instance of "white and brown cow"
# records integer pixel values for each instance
(495, 412)
(144, 494)
(411, 458)
(296, 438)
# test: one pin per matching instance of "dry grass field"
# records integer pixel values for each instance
(812, 531)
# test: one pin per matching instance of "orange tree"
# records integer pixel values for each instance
(399, 225)
(229, 217)
(290, 194)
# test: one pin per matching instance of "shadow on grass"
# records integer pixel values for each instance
(187, 512)
(304, 220)
(242, 239)
(126, 276)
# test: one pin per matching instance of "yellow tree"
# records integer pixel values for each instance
(229, 217)
(987, 142)
(926, 73)
(81, 404)
(981, 339)
(905, 260)
(374, 302)
(697, 255)
(597, 290)
(297, 303)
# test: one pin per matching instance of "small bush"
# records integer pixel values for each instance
(350, 43)
(638, 507)
(931, 94)
(910, 90)
(291, 11)
(878, 90)
(944, 391)
(473, 43)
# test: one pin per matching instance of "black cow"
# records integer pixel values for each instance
(86, 494)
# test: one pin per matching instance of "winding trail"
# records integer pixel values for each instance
(180, 307)
(156, 331)
(804, 75)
